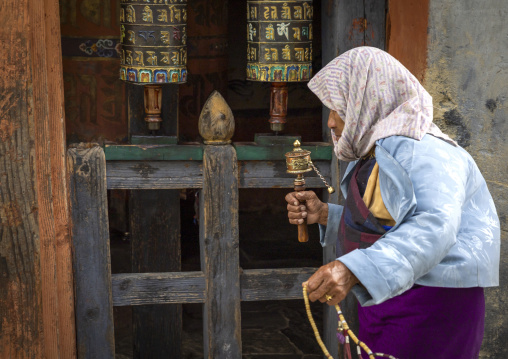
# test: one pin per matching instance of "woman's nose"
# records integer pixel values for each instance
(331, 122)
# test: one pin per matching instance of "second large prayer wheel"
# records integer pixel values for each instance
(279, 40)
(279, 49)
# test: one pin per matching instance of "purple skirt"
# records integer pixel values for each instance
(426, 322)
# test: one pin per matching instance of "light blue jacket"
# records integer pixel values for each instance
(447, 232)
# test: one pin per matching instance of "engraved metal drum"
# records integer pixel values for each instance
(153, 38)
(298, 161)
(279, 40)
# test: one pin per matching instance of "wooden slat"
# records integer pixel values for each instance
(155, 230)
(188, 174)
(154, 174)
(158, 288)
(90, 238)
(274, 284)
(219, 241)
(189, 287)
(272, 174)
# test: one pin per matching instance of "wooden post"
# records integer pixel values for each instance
(36, 296)
(218, 233)
(155, 229)
(345, 25)
(155, 232)
(330, 320)
(90, 238)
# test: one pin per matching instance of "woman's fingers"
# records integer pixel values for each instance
(291, 199)
(331, 283)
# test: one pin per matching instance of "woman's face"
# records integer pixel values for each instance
(335, 123)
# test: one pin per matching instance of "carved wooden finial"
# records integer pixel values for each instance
(216, 122)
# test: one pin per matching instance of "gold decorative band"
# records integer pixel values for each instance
(279, 72)
(153, 75)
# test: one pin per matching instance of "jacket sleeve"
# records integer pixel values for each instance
(427, 223)
(328, 234)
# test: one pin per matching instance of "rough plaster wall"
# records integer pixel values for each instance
(468, 78)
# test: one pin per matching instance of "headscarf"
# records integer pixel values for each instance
(376, 97)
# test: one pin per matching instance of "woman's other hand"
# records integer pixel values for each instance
(331, 283)
(312, 208)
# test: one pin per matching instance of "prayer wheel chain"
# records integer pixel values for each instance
(343, 329)
(330, 188)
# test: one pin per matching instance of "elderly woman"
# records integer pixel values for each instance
(418, 237)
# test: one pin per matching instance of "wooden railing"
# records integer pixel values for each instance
(219, 171)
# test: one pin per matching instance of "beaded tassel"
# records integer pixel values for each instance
(347, 349)
(342, 331)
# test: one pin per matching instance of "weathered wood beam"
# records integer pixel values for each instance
(189, 287)
(154, 174)
(90, 238)
(36, 297)
(220, 259)
(274, 284)
(155, 230)
(189, 174)
(158, 288)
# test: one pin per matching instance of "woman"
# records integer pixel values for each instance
(418, 238)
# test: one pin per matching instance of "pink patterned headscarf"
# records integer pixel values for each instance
(377, 97)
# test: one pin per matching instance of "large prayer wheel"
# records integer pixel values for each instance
(153, 36)
(279, 49)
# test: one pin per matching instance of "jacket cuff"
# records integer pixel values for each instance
(328, 234)
(374, 288)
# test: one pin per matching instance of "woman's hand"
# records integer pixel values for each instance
(331, 283)
(313, 209)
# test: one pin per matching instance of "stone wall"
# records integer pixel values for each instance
(467, 75)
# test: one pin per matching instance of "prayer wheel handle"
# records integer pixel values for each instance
(298, 162)
(303, 232)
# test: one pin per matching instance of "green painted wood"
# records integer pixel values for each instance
(154, 140)
(270, 139)
(251, 151)
(154, 153)
(245, 152)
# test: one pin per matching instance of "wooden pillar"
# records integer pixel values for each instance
(155, 233)
(218, 232)
(36, 297)
(330, 320)
(345, 25)
(90, 238)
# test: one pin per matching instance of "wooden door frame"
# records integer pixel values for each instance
(36, 284)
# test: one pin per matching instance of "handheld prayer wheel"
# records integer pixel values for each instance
(299, 162)
(154, 49)
(279, 49)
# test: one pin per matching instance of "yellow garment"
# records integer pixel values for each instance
(374, 201)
